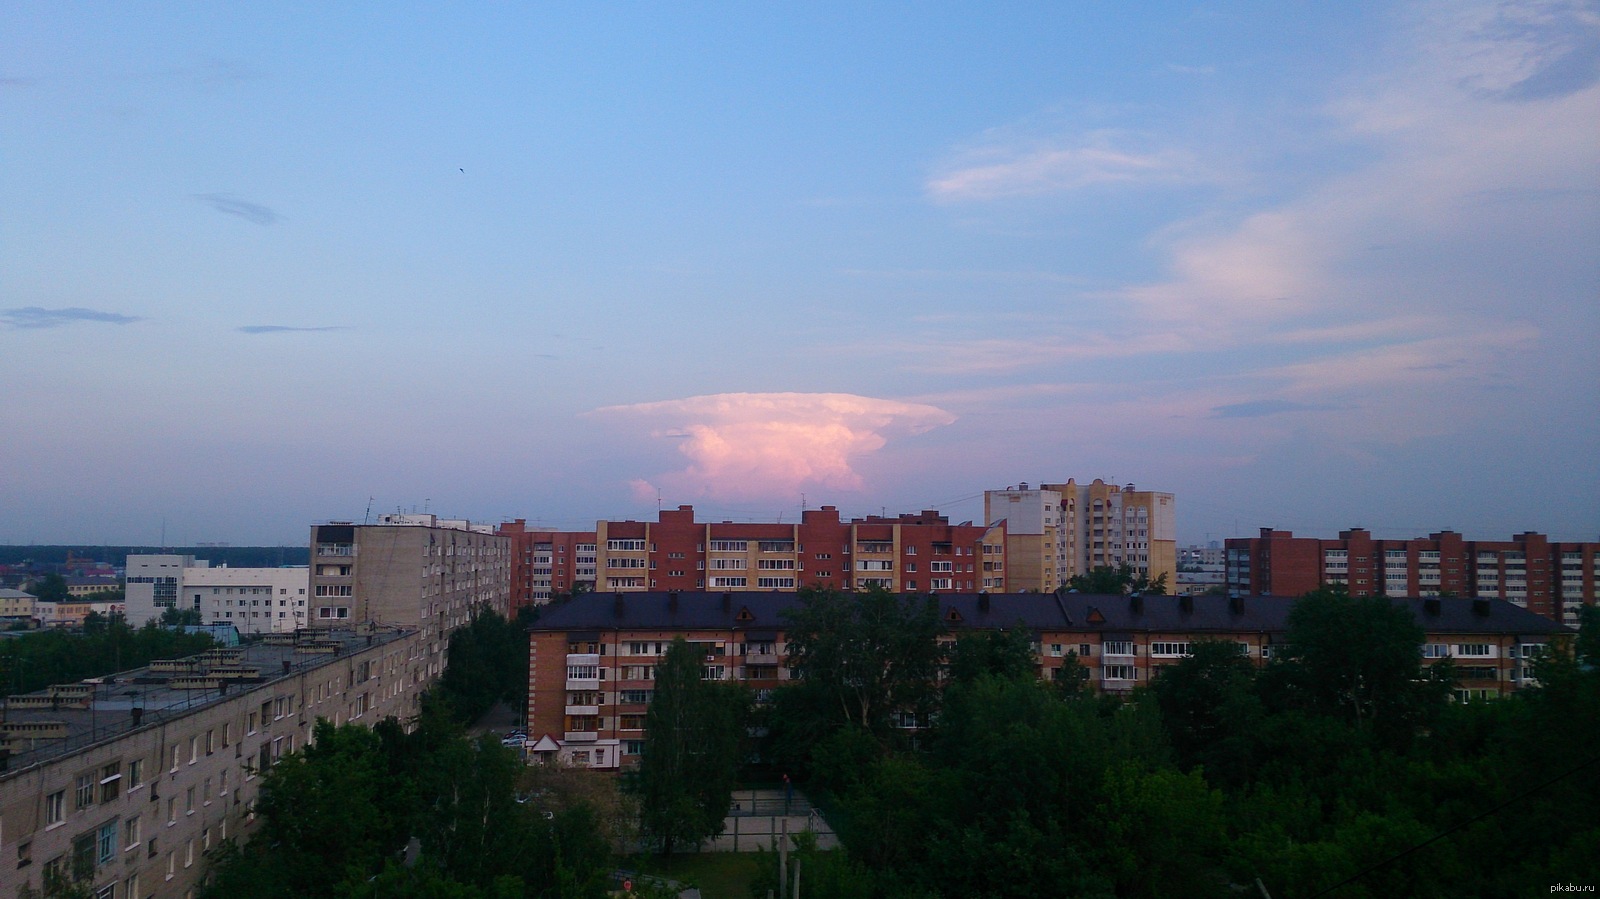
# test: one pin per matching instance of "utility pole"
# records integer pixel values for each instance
(783, 860)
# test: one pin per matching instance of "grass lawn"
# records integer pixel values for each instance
(720, 875)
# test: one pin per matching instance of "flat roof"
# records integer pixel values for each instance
(109, 713)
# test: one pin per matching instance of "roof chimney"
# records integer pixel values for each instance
(983, 602)
(1431, 606)
(1186, 604)
(1480, 608)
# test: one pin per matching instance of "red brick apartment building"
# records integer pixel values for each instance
(1549, 578)
(923, 552)
(592, 659)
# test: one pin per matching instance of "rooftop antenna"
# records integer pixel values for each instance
(367, 519)
(658, 499)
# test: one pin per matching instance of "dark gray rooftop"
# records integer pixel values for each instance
(109, 711)
(764, 611)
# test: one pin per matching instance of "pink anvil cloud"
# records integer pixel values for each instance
(748, 445)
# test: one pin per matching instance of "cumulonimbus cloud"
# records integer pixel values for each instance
(773, 444)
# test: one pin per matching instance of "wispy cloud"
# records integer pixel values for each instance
(37, 317)
(1438, 136)
(1262, 408)
(772, 444)
(279, 329)
(1026, 276)
(230, 205)
(1009, 167)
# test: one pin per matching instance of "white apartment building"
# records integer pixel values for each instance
(254, 600)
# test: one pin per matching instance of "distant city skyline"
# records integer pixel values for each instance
(1309, 268)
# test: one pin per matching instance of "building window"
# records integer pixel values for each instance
(83, 797)
(55, 807)
(108, 842)
(83, 849)
(110, 781)
(1118, 672)
(130, 831)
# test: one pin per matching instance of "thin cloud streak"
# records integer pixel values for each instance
(254, 213)
(1028, 172)
(1263, 408)
(279, 329)
(33, 317)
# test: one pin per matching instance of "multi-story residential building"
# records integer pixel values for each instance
(1035, 536)
(127, 780)
(411, 571)
(253, 600)
(546, 562)
(592, 661)
(914, 553)
(1057, 531)
(1202, 568)
(1552, 579)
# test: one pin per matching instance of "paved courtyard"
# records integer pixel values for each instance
(758, 817)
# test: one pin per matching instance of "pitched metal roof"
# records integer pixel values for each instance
(1039, 612)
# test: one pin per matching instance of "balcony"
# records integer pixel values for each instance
(585, 710)
(583, 658)
(581, 736)
(762, 658)
(583, 683)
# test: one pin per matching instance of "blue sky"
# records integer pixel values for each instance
(1308, 266)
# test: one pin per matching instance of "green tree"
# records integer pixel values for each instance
(691, 752)
(488, 664)
(1210, 710)
(51, 588)
(1104, 579)
(174, 617)
(1359, 658)
(870, 654)
(1005, 654)
(334, 810)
